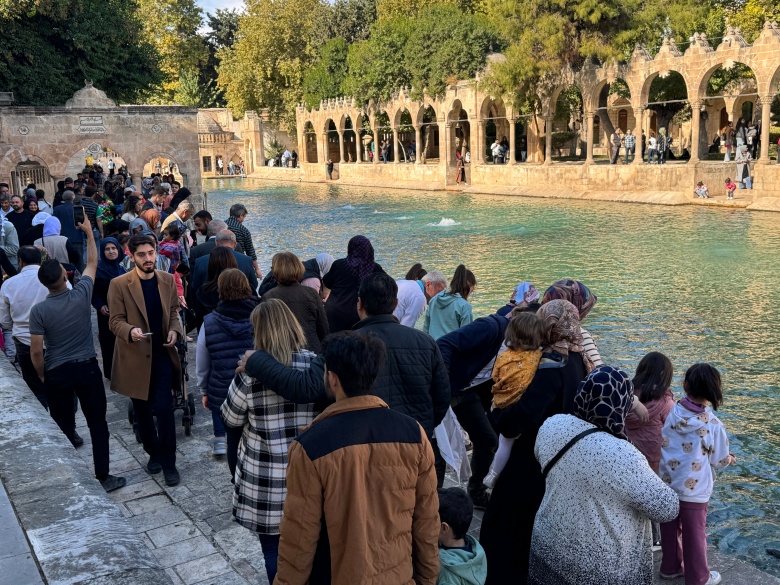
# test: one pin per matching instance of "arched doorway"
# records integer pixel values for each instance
(94, 153)
(460, 133)
(668, 104)
(164, 164)
(332, 148)
(567, 125)
(429, 135)
(384, 135)
(496, 125)
(405, 134)
(614, 111)
(32, 172)
(350, 141)
(310, 140)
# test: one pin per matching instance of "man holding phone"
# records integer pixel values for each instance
(143, 305)
(63, 321)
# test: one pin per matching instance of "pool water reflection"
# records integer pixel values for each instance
(696, 283)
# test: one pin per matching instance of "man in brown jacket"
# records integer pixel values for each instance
(362, 505)
(143, 307)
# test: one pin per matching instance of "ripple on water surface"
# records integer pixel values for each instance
(699, 284)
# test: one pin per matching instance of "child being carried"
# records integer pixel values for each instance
(512, 373)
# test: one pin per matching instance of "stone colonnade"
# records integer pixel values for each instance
(464, 112)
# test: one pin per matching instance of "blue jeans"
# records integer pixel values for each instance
(270, 545)
(219, 426)
(629, 152)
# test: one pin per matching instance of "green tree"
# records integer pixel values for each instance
(352, 19)
(46, 55)
(324, 79)
(750, 17)
(223, 26)
(172, 27)
(446, 44)
(193, 92)
(545, 38)
(276, 42)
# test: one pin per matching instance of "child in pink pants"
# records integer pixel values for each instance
(694, 443)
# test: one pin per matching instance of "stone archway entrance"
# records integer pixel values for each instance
(165, 164)
(97, 154)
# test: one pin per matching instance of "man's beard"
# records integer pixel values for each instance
(146, 269)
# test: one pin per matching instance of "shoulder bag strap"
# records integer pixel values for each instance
(566, 448)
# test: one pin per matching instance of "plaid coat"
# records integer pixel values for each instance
(270, 424)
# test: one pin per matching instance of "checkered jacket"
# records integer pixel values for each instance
(629, 140)
(270, 424)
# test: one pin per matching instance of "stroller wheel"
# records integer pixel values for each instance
(191, 403)
(187, 422)
(130, 412)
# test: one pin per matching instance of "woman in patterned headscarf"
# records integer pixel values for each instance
(580, 296)
(344, 278)
(509, 518)
(593, 525)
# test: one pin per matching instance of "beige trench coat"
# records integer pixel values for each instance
(132, 365)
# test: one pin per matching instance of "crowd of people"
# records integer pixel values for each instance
(327, 400)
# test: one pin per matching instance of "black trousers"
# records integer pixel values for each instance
(83, 379)
(107, 342)
(472, 417)
(159, 441)
(29, 374)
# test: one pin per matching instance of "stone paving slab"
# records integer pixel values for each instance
(75, 532)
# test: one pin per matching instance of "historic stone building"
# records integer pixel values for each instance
(45, 144)
(466, 119)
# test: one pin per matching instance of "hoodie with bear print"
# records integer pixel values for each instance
(694, 445)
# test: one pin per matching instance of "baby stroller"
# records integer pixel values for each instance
(182, 400)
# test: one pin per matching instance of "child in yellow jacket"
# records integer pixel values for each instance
(512, 374)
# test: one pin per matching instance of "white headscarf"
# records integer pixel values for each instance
(324, 261)
(40, 218)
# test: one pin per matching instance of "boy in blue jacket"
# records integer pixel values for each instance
(461, 557)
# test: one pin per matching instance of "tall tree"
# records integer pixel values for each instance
(276, 42)
(351, 20)
(172, 26)
(47, 54)
(324, 79)
(223, 26)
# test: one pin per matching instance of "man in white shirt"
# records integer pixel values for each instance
(413, 296)
(17, 297)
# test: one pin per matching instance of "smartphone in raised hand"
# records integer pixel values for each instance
(78, 214)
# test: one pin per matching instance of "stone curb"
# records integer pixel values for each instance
(77, 534)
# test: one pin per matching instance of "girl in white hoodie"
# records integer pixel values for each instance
(694, 445)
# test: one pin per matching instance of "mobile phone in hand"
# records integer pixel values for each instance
(78, 214)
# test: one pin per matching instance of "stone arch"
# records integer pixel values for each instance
(568, 117)
(494, 125)
(661, 70)
(725, 63)
(349, 137)
(427, 121)
(163, 152)
(331, 139)
(310, 141)
(458, 131)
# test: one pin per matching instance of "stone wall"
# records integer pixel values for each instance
(52, 136)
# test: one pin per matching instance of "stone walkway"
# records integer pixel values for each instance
(189, 527)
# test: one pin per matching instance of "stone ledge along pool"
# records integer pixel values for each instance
(696, 283)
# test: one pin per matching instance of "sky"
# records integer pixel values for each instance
(211, 5)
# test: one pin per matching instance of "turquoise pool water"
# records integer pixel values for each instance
(699, 284)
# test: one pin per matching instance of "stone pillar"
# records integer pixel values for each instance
(512, 129)
(376, 144)
(639, 116)
(589, 116)
(766, 104)
(395, 145)
(418, 147)
(341, 147)
(548, 122)
(695, 131)
(444, 153)
(480, 154)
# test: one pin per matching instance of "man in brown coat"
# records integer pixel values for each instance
(362, 505)
(143, 307)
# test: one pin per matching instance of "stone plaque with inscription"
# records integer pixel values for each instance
(91, 125)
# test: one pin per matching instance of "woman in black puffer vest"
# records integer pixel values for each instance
(225, 335)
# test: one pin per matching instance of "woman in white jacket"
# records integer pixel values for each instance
(593, 526)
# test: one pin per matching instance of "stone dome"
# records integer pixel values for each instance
(90, 97)
(207, 124)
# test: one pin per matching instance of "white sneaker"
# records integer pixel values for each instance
(490, 479)
(714, 578)
(219, 446)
